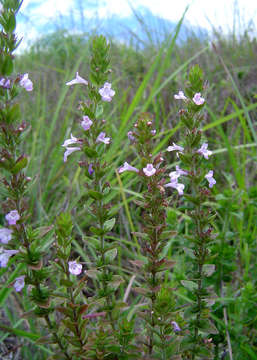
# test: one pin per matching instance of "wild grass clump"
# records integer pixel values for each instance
(128, 220)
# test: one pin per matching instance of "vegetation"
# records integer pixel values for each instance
(145, 80)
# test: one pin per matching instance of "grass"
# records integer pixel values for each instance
(143, 85)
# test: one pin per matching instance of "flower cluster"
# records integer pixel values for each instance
(106, 93)
(197, 98)
(176, 174)
(23, 80)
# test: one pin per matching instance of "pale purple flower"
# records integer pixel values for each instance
(175, 147)
(72, 140)
(197, 99)
(86, 123)
(5, 83)
(175, 326)
(101, 138)
(5, 255)
(78, 80)
(12, 217)
(74, 267)
(19, 283)
(130, 136)
(180, 171)
(107, 92)
(149, 170)
(178, 186)
(153, 132)
(90, 169)
(127, 167)
(203, 151)
(180, 96)
(210, 178)
(174, 175)
(69, 151)
(5, 235)
(26, 83)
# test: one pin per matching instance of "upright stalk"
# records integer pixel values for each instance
(196, 194)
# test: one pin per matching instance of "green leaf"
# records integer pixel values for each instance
(110, 255)
(208, 327)
(190, 285)
(13, 113)
(11, 23)
(91, 153)
(208, 269)
(194, 199)
(189, 252)
(116, 281)
(99, 110)
(21, 163)
(96, 231)
(66, 282)
(95, 195)
(93, 273)
(20, 333)
(109, 224)
(7, 66)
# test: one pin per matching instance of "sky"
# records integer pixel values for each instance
(205, 13)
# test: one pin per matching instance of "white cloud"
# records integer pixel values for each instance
(205, 13)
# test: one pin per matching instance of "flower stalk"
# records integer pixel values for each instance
(196, 194)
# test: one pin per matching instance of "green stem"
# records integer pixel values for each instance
(51, 328)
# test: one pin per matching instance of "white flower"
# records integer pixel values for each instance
(78, 80)
(19, 283)
(12, 217)
(101, 138)
(72, 140)
(26, 83)
(86, 123)
(127, 167)
(175, 147)
(69, 151)
(107, 92)
(210, 178)
(5, 235)
(203, 151)
(149, 170)
(197, 99)
(180, 96)
(5, 255)
(74, 267)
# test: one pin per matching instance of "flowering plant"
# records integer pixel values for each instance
(80, 301)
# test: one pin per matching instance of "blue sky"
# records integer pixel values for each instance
(42, 15)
